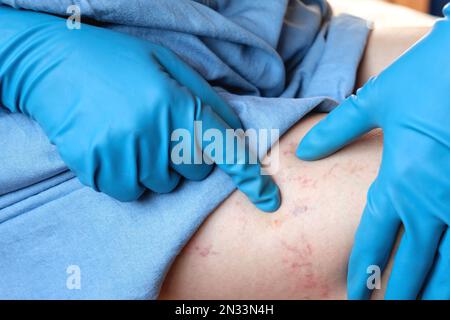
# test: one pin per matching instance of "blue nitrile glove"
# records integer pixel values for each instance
(410, 101)
(110, 103)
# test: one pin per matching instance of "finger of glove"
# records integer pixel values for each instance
(181, 125)
(239, 162)
(199, 87)
(342, 126)
(128, 161)
(413, 259)
(374, 240)
(438, 282)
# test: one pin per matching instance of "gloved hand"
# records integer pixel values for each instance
(110, 103)
(410, 101)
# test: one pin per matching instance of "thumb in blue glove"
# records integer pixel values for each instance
(410, 101)
(110, 103)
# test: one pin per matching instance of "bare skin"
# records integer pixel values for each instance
(302, 250)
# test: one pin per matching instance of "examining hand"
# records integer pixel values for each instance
(110, 103)
(410, 101)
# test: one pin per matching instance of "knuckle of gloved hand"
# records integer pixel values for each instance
(130, 128)
(126, 193)
(92, 155)
(136, 119)
(84, 163)
(160, 99)
(366, 97)
(394, 185)
(111, 168)
(398, 168)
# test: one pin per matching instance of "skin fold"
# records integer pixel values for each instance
(301, 251)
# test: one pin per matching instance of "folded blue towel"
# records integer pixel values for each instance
(273, 61)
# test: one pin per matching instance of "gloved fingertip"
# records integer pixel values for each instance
(306, 150)
(271, 200)
(127, 196)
